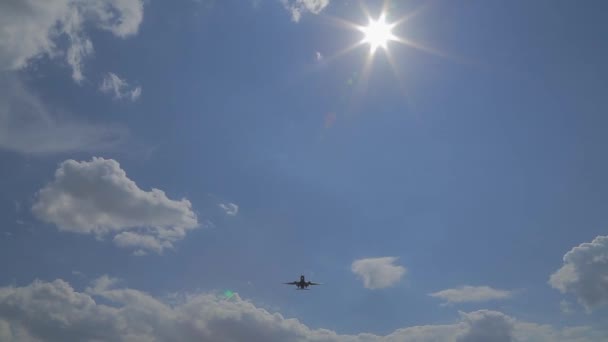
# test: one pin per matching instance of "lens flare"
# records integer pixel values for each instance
(377, 33)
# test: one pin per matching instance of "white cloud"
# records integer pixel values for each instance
(142, 241)
(299, 7)
(140, 252)
(585, 273)
(134, 94)
(485, 325)
(565, 307)
(471, 294)
(531, 332)
(229, 208)
(28, 126)
(119, 87)
(378, 273)
(98, 198)
(5, 331)
(55, 311)
(121, 17)
(30, 29)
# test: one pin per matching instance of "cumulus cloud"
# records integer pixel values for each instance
(229, 208)
(97, 197)
(30, 29)
(142, 242)
(585, 273)
(119, 87)
(465, 294)
(378, 273)
(55, 311)
(28, 126)
(299, 7)
(485, 325)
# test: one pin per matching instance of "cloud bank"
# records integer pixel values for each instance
(378, 273)
(97, 197)
(55, 311)
(585, 273)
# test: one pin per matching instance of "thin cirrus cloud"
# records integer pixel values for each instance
(299, 7)
(378, 273)
(119, 87)
(28, 126)
(32, 29)
(466, 294)
(55, 311)
(585, 273)
(96, 197)
(230, 209)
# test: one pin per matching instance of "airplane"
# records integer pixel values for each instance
(302, 284)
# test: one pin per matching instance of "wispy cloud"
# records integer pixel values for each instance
(119, 88)
(299, 7)
(378, 273)
(229, 208)
(97, 197)
(27, 125)
(465, 294)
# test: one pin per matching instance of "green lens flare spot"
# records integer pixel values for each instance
(228, 294)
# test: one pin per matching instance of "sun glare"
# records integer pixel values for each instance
(377, 33)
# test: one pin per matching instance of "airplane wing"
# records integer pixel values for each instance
(292, 283)
(311, 283)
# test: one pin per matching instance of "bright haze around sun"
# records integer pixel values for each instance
(377, 33)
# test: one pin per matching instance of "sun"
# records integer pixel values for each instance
(377, 33)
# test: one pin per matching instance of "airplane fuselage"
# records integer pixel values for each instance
(302, 284)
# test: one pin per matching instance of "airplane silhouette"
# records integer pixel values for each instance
(302, 284)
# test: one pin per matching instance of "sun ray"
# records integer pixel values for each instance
(331, 58)
(398, 75)
(411, 14)
(422, 47)
(340, 22)
(378, 33)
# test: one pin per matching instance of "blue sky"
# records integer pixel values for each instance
(456, 182)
